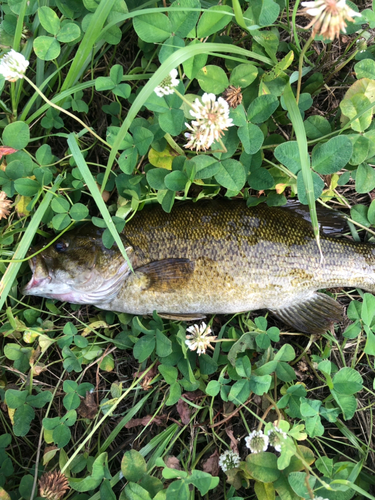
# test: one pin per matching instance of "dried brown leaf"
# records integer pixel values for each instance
(173, 463)
(88, 407)
(135, 422)
(211, 465)
(184, 411)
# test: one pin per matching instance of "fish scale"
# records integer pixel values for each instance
(210, 257)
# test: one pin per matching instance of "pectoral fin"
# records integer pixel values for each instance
(167, 275)
(315, 315)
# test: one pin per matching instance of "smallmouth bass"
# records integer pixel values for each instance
(211, 257)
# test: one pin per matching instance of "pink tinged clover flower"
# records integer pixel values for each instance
(199, 338)
(329, 17)
(229, 460)
(256, 441)
(166, 85)
(211, 120)
(13, 66)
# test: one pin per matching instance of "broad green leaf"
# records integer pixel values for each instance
(365, 178)
(172, 121)
(297, 481)
(231, 175)
(263, 466)
(46, 48)
(347, 403)
(60, 205)
(262, 108)
(359, 214)
(78, 211)
(169, 373)
(206, 166)
(184, 21)
(347, 380)
(212, 79)
(68, 33)
(26, 187)
(285, 372)
(133, 466)
(260, 384)
(361, 147)
(174, 394)
(251, 137)
(152, 28)
(260, 179)
(142, 139)
(49, 20)
(128, 160)
(203, 481)
(213, 20)
(263, 13)
(288, 154)
(16, 135)
(357, 104)
(170, 46)
(175, 181)
(332, 156)
(194, 64)
(365, 69)
(317, 126)
(243, 75)
(370, 342)
(144, 347)
(318, 185)
(163, 344)
(155, 177)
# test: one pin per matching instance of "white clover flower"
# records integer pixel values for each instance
(320, 498)
(229, 460)
(166, 85)
(211, 120)
(256, 441)
(276, 437)
(199, 338)
(329, 17)
(198, 138)
(13, 66)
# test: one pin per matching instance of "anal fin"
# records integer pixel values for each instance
(315, 315)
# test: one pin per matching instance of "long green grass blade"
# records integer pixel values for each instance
(13, 268)
(91, 184)
(95, 27)
(299, 130)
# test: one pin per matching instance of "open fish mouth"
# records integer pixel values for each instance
(40, 277)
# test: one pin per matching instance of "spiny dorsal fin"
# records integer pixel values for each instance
(167, 275)
(315, 315)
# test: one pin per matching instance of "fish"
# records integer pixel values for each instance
(209, 257)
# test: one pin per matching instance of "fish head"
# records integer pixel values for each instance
(77, 268)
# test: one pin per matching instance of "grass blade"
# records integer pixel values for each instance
(13, 268)
(299, 130)
(91, 184)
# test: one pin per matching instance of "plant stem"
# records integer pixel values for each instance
(66, 112)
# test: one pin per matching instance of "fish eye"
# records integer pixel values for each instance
(61, 246)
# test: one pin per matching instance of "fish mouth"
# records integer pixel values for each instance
(40, 277)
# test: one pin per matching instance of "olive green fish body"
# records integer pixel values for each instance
(214, 257)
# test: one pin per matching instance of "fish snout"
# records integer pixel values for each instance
(40, 275)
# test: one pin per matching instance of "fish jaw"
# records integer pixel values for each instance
(41, 287)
